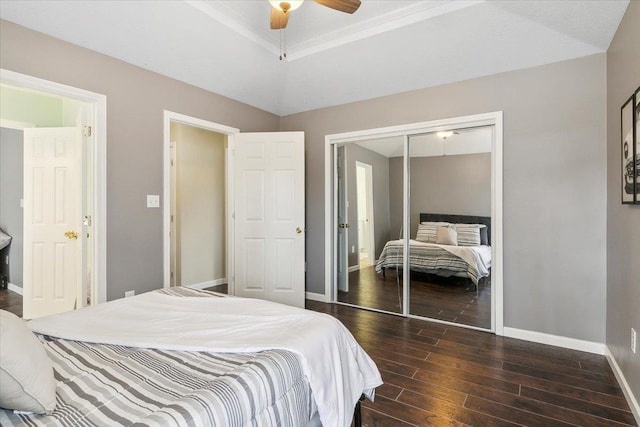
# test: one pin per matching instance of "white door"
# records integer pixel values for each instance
(269, 216)
(343, 220)
(52, 221)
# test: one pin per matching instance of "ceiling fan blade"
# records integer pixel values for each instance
(279, 19)
(347, 6)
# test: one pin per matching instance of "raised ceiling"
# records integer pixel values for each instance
(386, 47)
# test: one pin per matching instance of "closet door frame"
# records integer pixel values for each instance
(494, 119)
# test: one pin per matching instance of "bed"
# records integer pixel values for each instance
(471, 259)
(187, 357)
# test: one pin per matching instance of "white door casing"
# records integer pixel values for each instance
(52, 221)
(173, 216)
(95, 117)
(269, 217)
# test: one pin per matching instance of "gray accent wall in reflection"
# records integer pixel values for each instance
(444, 184)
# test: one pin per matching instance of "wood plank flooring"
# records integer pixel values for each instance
(452, 299)
(438, 375)
(11, 301)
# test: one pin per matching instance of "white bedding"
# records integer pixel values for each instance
(337, 368)
(480, 256)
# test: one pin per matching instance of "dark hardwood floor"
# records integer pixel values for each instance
(452, 299)
(223, 289)
(11, 301)
(438, 375)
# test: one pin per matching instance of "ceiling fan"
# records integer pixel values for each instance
(280, 10)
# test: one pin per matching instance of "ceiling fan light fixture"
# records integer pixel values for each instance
(446, 134)
(286, 6)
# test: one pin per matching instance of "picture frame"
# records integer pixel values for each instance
(636, 145)
(629, 151)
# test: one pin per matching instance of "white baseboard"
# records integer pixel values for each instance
(557, 340)
(624, 385)
(15, 288)
(207, 284)
(315, 297)
(354, 268)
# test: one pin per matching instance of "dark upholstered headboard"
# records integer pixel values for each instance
(459, 219)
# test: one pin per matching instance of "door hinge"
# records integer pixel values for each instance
(86, 131)
(88, 300)
(171, 218)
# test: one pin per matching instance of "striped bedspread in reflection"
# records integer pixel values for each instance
(433, 259)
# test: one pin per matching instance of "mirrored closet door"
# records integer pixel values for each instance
(369, 224)
(450, 220)
(427, 194)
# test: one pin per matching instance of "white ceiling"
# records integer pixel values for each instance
(386, 47)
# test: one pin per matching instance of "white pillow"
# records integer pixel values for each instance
(26, 373)
(427, 231)
(468, 234)
(447, 236)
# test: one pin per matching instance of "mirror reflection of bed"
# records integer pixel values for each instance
(450, 188)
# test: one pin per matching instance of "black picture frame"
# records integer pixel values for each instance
(629, 168)
(636, 142)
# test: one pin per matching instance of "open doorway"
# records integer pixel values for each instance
(52, 197)
(198, 201)
(366, 235)
(198, 208)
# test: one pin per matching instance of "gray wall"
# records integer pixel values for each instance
(554, 183)
(380, 176)
(458, 185)
(11, 178)
(136, 99)
(623, 221)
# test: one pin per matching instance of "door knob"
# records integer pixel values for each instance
(298, 230)
(71, 235)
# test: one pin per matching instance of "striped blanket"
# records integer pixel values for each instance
(472, 262)
(108, 385)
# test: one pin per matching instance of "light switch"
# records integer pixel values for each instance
(153, 201)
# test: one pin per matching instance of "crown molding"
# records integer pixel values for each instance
(398, 18)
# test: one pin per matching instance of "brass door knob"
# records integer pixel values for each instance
(298, 230)
(71, 235)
